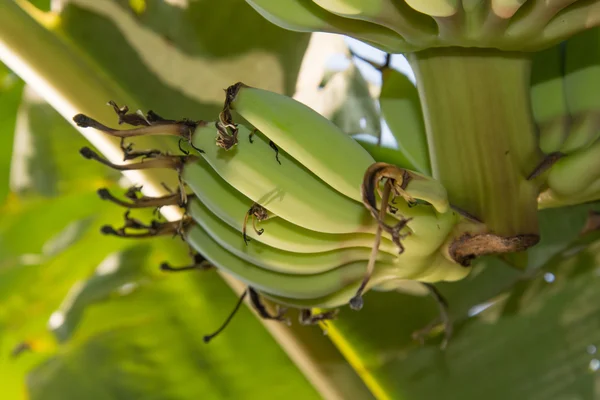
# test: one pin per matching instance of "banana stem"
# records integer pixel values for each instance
(481, 134)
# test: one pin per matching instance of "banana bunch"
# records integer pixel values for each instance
(566, 108)
(399, 26)
(293, 207)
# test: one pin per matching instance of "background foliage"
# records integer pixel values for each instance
(85, 315)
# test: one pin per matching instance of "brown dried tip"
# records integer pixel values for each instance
(227, 130)
(135, 119)
(545, 164)
(370, 184)
(262, 309)
(397, 179)
(130, 154)
(258, 213)
(199, 263)
(230, 94)
(143, 201)
(159, 161)
(225, 139)
(150, 124)
(306, 316)
(155, 228)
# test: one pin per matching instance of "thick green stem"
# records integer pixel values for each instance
(481, 134)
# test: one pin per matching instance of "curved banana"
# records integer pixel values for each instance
(401, 109)
(435, 8)
(288, 190)
(428, 227)
(293, 286)
(582, 64)
(571, 175)
(338, 299)
(306, 16)
(275, 259)
(506, 8)
(382, 279)
(548, 99)
(231, 206)
(415, 28)
(305, 135)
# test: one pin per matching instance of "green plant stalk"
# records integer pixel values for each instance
(68, 80)
(480, 133)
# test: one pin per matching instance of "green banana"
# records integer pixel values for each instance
(435, 8)
(287, 190)
(548, 100)
(398, 17)
(582, 64)
(505, 9)
(382, 279)
(230, 206)
(334, 300)
(295, 286)
(275, 259)
(400, 26)
(571, 175)
(306, 16)
(426, 224)
(401, 108)
(305, 135)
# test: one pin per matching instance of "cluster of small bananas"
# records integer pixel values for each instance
(398, 26)
(328, 222)
(566, 107)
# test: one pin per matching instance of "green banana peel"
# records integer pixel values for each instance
(508, 25)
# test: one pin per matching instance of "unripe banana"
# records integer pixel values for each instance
(409, 185)
(584, 130)
(275, 259)
(582, 64)
(305, 16)
(288, 189)
(548, 101)
(435, 8)
(401, 109)
(337, 299)
(506, 8)
(382, 279)
(231, 206)
(305, 135)
(412, 26)
(572, 174)
(293, 286)
(354, 7)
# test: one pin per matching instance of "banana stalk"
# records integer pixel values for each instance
(481, 142)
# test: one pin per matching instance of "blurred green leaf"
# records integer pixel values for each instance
(176, 60)
(546, 349)
(46, 160)
(115, 272)
(146, 341)
(347, 102)
(10, 97)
